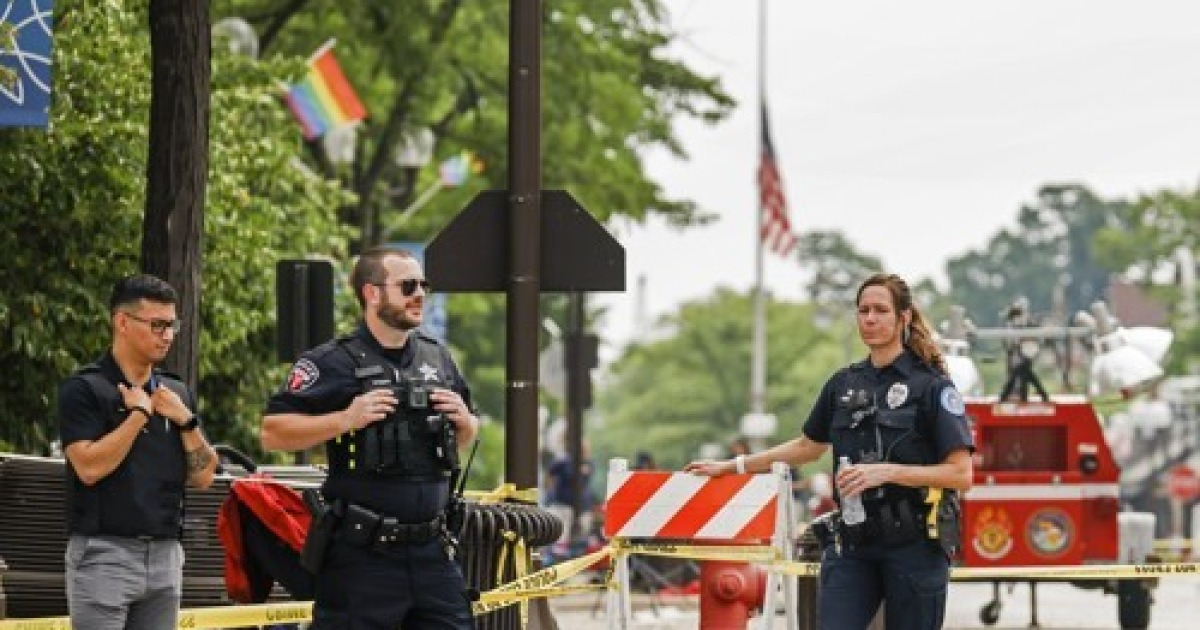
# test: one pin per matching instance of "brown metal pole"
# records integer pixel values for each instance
(524, 233)
(576, 372)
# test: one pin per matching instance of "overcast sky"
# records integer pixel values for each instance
(916, 128)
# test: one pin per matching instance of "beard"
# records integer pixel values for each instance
(397, 316)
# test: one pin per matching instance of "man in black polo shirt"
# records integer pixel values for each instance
(132, 440)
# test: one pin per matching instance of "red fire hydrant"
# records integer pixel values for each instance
(729, 593)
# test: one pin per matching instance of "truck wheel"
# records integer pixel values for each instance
(990, 613)
(1133, 604)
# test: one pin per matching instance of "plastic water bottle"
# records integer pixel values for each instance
(853, 512)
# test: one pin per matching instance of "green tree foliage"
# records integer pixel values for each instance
(1153, 230)
(1050, 250)
(610, 93)
(838, 268)
(671, 395)
(71, 222)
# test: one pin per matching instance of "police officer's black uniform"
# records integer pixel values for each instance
(904, 413)
(389, 562)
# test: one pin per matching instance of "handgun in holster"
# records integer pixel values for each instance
(943, 521)
(824, 528)
(320, 532)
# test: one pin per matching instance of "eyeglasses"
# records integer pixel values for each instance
(159, 326)
(407, 287)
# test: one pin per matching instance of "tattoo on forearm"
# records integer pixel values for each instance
(198, 459)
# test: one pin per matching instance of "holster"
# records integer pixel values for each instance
(320, 532)
(949, 523)
(456, 516)
(825, 527)
(897, 525)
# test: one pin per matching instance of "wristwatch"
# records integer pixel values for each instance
(192, 424)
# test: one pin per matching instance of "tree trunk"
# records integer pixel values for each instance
(177, 164)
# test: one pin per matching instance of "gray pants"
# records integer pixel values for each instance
(118, 583)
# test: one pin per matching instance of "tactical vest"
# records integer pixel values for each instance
(406, 443)
(882, 432)
(144, 495)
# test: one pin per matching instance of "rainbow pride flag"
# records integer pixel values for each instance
(324, 99)
(456, 169)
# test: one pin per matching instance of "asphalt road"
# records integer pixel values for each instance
(1060, 607)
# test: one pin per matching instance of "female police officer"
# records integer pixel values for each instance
(899, 420)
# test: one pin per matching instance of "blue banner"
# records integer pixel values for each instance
(435, 317)
(26, 37)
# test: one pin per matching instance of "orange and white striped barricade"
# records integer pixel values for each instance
(728, 511)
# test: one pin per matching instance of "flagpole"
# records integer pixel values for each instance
(758, 357)
(329, 43)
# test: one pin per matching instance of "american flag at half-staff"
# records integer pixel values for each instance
(775, 228)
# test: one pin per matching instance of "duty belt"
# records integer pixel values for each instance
(894, 524)
(364, 527)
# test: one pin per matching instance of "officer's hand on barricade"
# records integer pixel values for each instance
(368, 408)
(711, 468)
(451, 405)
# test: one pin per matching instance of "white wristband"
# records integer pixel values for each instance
(739, 464)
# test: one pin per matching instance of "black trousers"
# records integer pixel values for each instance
(414, 586)
(911, 579)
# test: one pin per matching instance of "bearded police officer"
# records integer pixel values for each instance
(898, 420)
(392, 409)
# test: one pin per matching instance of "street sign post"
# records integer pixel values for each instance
(1183, 483)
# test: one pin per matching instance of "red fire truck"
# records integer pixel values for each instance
(1046, 484)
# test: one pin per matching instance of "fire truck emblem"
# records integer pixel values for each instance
(993, 533)
(1050, 532)
(896, 395)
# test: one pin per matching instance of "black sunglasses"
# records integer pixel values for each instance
(158, 326)
(407, 287)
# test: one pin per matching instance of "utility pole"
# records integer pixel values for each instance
(580, 356)
(524, 262)
(499, 242)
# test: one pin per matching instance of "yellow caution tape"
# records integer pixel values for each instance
(521, 564)
(769, 557)
(744, 553)
(545, 583)
(504, 492)
(545, 578)
(802, 569)
(502, 557)
(490, 598)
(1087, 572)
(43, 623)
(196, 618)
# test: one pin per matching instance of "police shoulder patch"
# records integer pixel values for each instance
(304, 374)
(952, 401)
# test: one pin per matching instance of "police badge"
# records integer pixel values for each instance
(896, 395)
